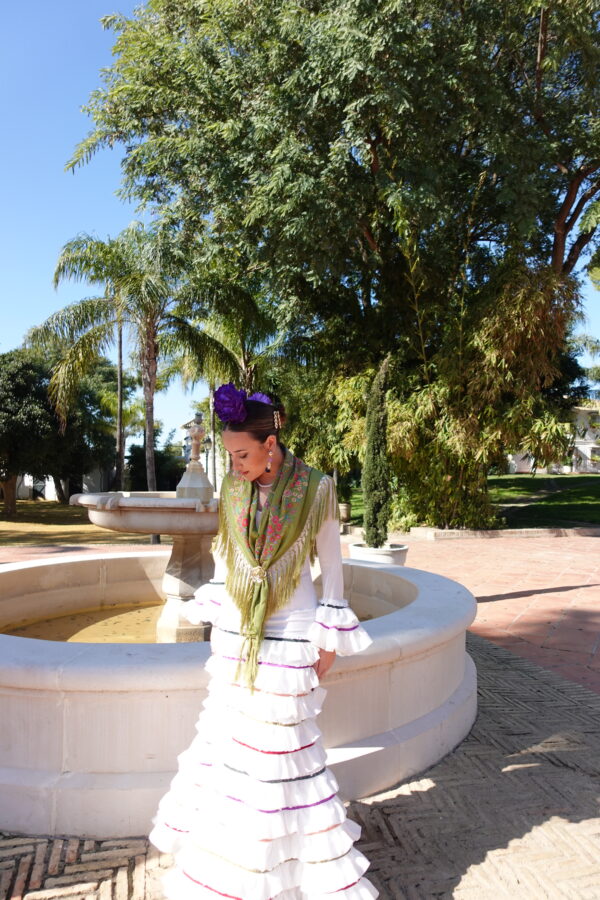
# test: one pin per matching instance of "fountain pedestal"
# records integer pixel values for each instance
(190, 565)
(188, 515)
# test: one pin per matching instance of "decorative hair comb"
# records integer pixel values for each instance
(230, 404)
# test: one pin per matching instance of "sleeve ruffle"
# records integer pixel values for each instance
(337, 628)
(206, 603)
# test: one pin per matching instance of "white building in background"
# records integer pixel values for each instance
(30, 488)
(586, 455)
(585, 458)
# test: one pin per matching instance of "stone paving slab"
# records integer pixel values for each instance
(512, 813)
(13, 553)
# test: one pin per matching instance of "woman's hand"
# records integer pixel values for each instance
(324, 663)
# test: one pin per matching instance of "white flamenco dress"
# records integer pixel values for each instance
(253, 812)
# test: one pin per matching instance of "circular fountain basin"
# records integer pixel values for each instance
(90, 732)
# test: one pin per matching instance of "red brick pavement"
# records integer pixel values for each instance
(538, 597)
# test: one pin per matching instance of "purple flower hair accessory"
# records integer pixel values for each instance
(262, 398)
(229, 403)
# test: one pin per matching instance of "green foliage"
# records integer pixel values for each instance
(325, 412)
(376, 474)
(140, 272)
(85, 440)
(32, 440)
(170, 466)
(236, 333)
(480, 395)
(412, 180)
(346, 485)
(26, 421)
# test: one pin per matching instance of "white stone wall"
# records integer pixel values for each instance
(90, 732)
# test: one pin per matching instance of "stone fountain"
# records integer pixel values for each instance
(90, 732)
(189, 515)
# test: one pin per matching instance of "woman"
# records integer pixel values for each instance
(253, 812)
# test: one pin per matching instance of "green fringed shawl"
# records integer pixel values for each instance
(264, 564)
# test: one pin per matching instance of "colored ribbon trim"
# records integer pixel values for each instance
(275, 752)
(262, 662)
(283, 808)
(267, 637)
(275, 780)
(337, 627)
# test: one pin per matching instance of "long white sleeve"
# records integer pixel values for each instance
(335, 626)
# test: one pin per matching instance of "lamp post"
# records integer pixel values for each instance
(206, 445)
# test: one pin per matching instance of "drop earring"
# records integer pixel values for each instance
(268, 466)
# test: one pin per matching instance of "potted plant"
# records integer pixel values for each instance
(344, 493)
(376, 483)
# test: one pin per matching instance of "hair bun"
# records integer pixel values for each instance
(258, 414)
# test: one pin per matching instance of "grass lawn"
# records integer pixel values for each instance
(358, 507)
(553, 500)
(46, 522)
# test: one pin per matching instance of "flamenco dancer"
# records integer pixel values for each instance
(253, 812)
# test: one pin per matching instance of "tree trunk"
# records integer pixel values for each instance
(9, 490)
(149, 370)
(120, 461)
(213, 435)
(60, 492)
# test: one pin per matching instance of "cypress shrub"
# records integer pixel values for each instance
(376, 473)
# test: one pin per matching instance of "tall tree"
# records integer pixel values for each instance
(392, 169)
(99, 262)
(25, 423)
(32, 440)
(236, 336)
(376, 475)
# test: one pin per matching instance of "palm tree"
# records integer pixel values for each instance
(236, 332)
(139, 273)
(97, 262)
(236, 341)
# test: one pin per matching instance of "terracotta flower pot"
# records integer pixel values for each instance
(345, 511)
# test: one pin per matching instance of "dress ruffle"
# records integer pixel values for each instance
(206, 603)
(336, 628)
(253, 812)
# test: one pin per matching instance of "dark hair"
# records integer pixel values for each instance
(260, 420)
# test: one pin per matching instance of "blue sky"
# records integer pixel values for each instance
(51, 59)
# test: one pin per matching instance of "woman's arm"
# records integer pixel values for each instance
(336, 630)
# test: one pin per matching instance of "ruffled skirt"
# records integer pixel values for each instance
(253, 812)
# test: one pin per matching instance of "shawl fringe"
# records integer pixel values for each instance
(283, 576)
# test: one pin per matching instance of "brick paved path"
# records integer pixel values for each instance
(512, 813)
(537, 596)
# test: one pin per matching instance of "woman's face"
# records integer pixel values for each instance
(249, 457)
